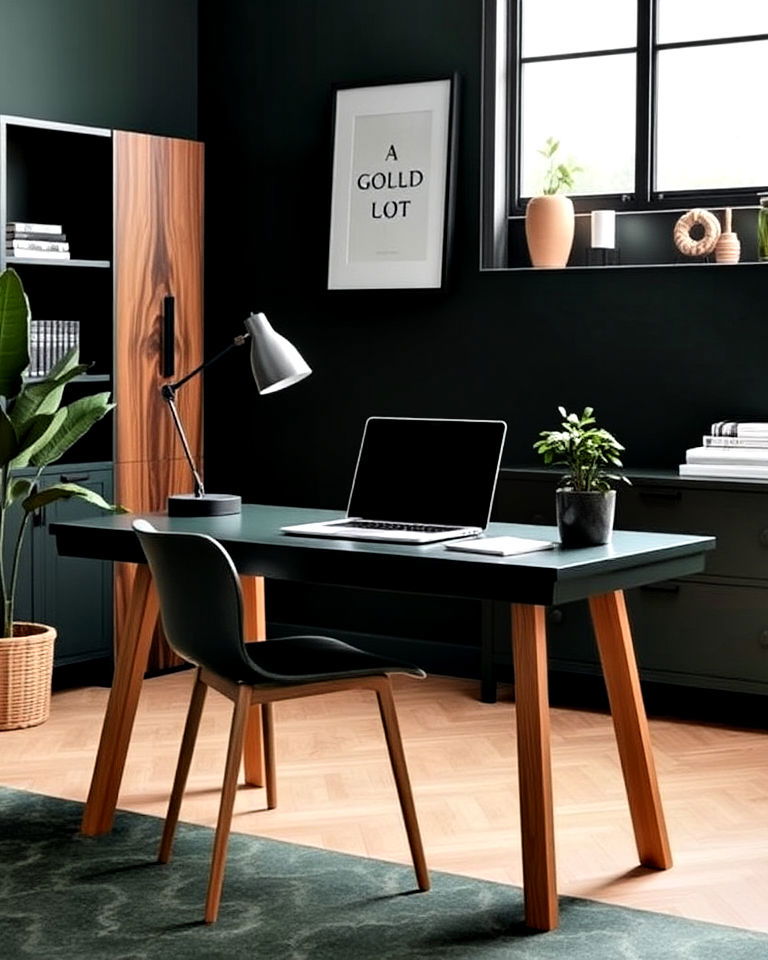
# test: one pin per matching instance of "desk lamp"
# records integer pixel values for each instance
(275, 363)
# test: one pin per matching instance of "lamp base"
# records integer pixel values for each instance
(209, 505)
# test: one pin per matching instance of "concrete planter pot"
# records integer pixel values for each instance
(585, 519)
(549, 226)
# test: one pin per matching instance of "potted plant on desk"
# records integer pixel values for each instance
(35, 430)
(585, 498)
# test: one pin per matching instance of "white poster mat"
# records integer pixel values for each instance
(389, 189)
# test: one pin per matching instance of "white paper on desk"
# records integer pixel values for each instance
(500, 546)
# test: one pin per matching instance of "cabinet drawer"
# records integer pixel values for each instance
(702, 630)
(683, 631)
(524, 501)
(739, 521)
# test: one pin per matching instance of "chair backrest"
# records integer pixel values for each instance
(201, 602)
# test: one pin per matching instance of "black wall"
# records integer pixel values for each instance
(130, 65)
(659, 352)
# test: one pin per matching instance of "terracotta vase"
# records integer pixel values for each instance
(549, 225)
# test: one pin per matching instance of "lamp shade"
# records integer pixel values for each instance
(275, 362)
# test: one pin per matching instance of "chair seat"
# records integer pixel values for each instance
(308, 659)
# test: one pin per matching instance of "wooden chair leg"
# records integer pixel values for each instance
(182, 767)
(228, 790)
(400, 772)
(255, 628)
(268, 733)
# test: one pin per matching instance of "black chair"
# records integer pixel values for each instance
(201, 606)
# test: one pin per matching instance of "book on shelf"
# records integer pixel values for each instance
(27, 235)
(17, 245)
(710, 441)
(49, 340)
(40, 254)
(736, 471)
(26, 227)
(757, 455)
(737, 428)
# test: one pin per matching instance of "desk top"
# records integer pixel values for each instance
(258, 548)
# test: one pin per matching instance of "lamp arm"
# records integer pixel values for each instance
(237, 342)
(168, 393)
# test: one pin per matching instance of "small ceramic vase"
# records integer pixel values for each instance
(549, 226)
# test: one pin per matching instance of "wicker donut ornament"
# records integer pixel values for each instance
(682, 233)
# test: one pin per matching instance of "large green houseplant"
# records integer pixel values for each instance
(585, 498)
(36, 429)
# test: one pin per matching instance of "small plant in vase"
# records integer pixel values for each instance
(585, 497)
(550, 218)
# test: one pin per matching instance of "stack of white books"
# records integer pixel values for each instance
(731, 449)
(41, 241)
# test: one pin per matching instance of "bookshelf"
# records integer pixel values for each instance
(130, 205)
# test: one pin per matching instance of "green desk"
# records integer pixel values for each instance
(530, 583)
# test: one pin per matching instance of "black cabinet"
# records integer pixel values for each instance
(70, 594)
(708, 631)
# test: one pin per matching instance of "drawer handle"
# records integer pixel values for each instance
(764, 537)
(763, 639)
(556, 615)
(74, 477)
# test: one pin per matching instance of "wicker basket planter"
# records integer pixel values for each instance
(26, 667)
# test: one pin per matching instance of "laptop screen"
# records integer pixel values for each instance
(427, 471)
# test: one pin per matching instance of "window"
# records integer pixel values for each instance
(655, 100)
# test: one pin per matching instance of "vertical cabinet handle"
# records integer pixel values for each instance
(169, 322)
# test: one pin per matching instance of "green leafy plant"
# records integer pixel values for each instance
(587, 451)
(559, 175)
(35, 431)
(762, 230)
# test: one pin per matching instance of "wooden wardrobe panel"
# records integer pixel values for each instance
(158, 253)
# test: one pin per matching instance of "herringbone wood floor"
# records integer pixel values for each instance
(336, 791)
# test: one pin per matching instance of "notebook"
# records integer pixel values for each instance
(419, 481)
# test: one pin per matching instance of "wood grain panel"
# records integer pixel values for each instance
(158, 252)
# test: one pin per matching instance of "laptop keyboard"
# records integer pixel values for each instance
(391, 525)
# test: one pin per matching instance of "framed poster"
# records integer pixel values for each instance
(391, 191)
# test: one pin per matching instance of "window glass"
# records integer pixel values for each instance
(709, 133)
(562, 26)
(588, 105)
(685, 20)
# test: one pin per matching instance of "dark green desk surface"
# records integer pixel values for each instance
(258, 548)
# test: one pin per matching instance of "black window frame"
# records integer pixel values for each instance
(501, 109)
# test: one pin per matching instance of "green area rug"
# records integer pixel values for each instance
(68, 897)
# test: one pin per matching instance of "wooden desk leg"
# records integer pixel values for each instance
(255, 629)
(614, 641)
(529, 645)
(130, 665)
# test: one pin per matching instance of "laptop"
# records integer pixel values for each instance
(419, 481)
